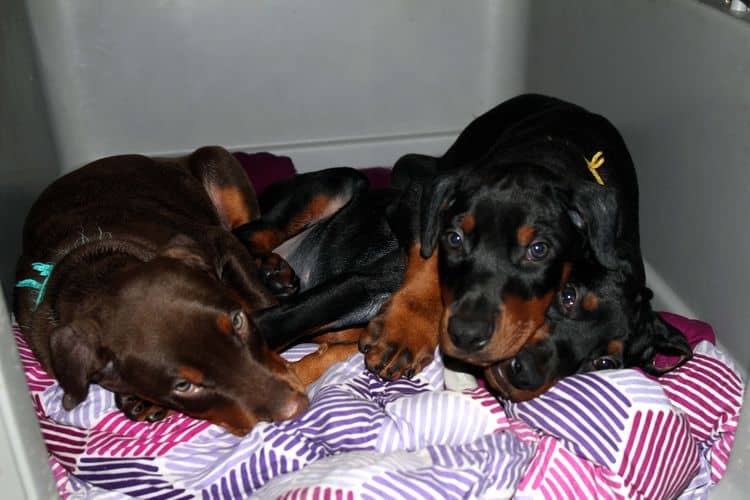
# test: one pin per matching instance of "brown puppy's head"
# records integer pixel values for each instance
(507, 237)
(169, 331)
(600, 319)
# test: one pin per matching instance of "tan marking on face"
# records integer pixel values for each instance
(565, 275)
(525, 235)
(614, 347)
(590, 302)
(224, 324)
(518, 323)
(192, 375)
(468, 223)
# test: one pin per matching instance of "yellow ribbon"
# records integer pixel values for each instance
(596, 161)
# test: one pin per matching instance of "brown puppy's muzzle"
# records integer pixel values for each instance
(483, 341)
(272, 394)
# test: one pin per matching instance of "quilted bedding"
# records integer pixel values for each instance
(611, 434)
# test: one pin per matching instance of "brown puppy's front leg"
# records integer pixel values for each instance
(402, 338)
(313, 366)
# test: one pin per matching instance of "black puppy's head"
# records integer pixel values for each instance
(600, 319)
(508, 235)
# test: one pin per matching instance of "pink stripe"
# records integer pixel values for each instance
(584, 476)
(547, 447)
(559, 480)
(668, 448)
(635, 451)
(651, 454)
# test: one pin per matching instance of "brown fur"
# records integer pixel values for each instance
(145, 282)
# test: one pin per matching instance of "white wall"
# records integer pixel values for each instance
(285, 75)
(674, 76)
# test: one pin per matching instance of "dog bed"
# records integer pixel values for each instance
(611, 434)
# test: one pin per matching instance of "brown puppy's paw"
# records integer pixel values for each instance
(401, 340)
(139, 409)
(277, 275)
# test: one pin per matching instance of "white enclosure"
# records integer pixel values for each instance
(354, 82)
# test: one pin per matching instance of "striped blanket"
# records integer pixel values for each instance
(610, 434)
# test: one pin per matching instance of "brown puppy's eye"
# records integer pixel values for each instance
(182, 385)
(238, 320)
(604, 363)
(568, 296)
(538, 250)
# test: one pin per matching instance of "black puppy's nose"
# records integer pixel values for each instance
(470, 334)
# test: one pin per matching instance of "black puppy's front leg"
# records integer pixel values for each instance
(345, 301)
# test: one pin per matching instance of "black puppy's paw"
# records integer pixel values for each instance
(400, 341)
(277, 275)
(138, 409)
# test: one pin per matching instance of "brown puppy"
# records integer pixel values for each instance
(130, 278)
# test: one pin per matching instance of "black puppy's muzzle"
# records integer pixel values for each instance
(470, 334)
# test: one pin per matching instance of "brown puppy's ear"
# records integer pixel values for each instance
(594, 211)
(657, 337)
(435, 197)
(187, 251)
(75, 359)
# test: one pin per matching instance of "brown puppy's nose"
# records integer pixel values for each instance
(469, 334)
(291, 407)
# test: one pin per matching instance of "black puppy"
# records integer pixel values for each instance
(518, 204)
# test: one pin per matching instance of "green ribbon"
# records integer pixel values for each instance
(45, 270)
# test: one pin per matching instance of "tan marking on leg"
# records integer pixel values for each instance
(410, 320)
(313, 366)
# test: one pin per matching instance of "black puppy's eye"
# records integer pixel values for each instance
(568, 297)
(604, 363)
(538, 250)
(238, 320)
(182, 386)
(454, 239)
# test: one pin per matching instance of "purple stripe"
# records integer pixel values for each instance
(544, 418)
(607, 405)
(569, 407)
(245, 477)
(413, 481)
(116, 466)
(383, 480)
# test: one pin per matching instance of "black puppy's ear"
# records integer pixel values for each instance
(74, 352)
(655, 337)
(594, 211)
(187, 251)
(412, 167)
(435, 198)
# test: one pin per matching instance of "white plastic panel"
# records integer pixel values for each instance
(163, 77)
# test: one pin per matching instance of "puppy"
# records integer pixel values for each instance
(130, 278)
